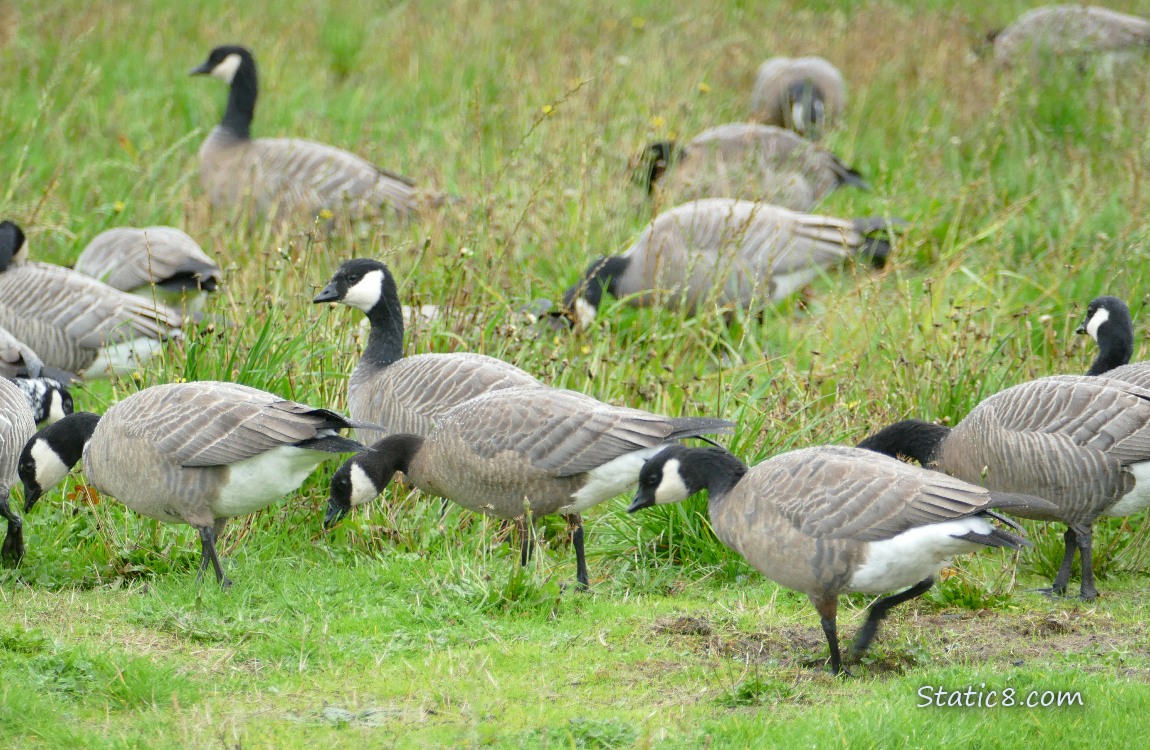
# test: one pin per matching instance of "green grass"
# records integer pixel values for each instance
(1025, 196)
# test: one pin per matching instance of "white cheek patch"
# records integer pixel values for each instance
(55, 407)
(797, 113)
(365, 294)
(227, 68)
(672, 488)
(363, 490)
(584, 312)
(1096, 320)
(50, 469)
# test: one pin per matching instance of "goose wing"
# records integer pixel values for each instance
(127, 258)
(16, 357)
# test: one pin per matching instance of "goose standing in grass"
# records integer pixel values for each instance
(747, 161)
(282, 176)
(833, 520)
(72, 321)
(736, 254)
(161, 263)
(17, 425)
(518, 451)
(804, 94)
(1065, 30)
(405, 394)
(1108, 322)
(197, 453)
(1083, 443)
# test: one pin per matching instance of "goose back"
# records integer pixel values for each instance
(1070, 29)
(16, 428)
(132, 260)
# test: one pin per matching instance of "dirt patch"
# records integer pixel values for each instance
(683, 625)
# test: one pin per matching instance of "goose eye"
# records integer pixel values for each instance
(353, 279)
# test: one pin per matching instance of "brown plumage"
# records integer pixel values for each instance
(754, 162)
(285, 177)
(518, 450)
(1062, 30)
(1083, 443)
(16, 427)
(831, 520)
(804, 94)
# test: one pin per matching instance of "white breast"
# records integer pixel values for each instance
(1137, 498)
(914, 555)
(262, 480)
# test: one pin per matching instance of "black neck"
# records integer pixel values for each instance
(1115, 348)
(391, 454)
(602, 275)
(241, 101)
(912, 438)
(69, 436)
(385, 342)
(715, 469)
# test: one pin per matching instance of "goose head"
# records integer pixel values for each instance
(224, 62)
(1108, 322)
(52, 452)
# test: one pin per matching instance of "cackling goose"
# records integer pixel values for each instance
(804, 94)
(1083, 443)
(1108, 323)
(47, 396)
(280, 176)
(16, 427)
(195, 453)
(747, 161)
(729, 252)
(160, 263)
(405, 394)
(520, 450)
(832, 520)
(1067, 30)
(72, 321)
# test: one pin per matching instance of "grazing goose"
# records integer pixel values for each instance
(162, 263)
(47, 396)
(833, 520)
(195, 453)
(730, 252)
(1083, 443)
(1108, 323)
(528, 449)
(804, 94)
(751, 162)
(280, 176)
(1062, 30)
(405, 394)
(72, 321)
(16, 427)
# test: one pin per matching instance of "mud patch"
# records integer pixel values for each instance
(683, 625)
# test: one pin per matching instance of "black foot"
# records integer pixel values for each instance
(12, 550)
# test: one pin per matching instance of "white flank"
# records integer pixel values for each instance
(784, 285)
(671, 487)
(366, 293)
(227, 68)
(584, 312)
(1100, 316)
(363, 490)
(123, 358)
(915, 554)
(50, 468)
(1137, 498)
(611, 479)
(261, 480)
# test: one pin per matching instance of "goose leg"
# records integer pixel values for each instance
(575, 526)
(879, 610)
(828, 612)
(1085, 550)
(208, 542)
(13, 548)
(526, 542)
(1070, 538)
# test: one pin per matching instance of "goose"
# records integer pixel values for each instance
(804, 94)
(1108, 323)
(43, 387)
(405, 394)
(16, 427)
(195, 453)
(529, 449)
(1061, 30)
(161, 263)
(72, 321)
(831, 520)
(730, 252)
(280, 176)
(748, 161)
(1081, 442)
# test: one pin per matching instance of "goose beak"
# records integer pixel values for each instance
(329, 294)
(1081, 329)
(640, 502)
(335, 512)
(202, 69)
(31, 495)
